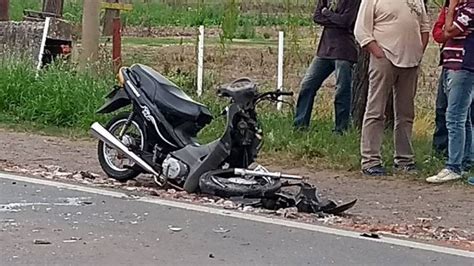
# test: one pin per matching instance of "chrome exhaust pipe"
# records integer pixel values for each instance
(101, 133)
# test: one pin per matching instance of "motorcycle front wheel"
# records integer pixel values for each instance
(224, 183)
(115, 164)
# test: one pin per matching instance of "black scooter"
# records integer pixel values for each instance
(158, 136)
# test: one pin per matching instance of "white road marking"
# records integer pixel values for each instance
(244, 216)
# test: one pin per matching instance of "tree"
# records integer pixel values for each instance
(53, 7)
(90, 32)
(360, 88)
(4, 15)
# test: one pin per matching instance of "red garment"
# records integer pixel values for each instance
(438, 34)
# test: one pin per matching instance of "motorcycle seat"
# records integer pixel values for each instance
(169, 97)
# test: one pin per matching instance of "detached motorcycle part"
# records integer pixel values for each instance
(101, 133)
(306, 200)
(225, 183)
(244, 172)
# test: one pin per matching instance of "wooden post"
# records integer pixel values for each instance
(90, 32)
(53, 7)
(117, 44)
(110, 15)
(4, 7)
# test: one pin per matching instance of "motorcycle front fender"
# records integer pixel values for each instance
(116, 99)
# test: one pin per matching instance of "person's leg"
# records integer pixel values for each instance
(459, 92)
(467, 160)
(459, 86)
(381, 80)
(318, 71)
(343, 97)
(404, 107)
(440, 136)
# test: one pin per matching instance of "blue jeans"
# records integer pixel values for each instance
(458, 87)
(440, 136)
(319, 70)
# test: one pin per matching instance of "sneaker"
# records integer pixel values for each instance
(470, 180)
(409, 169)
(377, 170)
(444, 176)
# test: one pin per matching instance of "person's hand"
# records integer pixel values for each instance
(375, 50)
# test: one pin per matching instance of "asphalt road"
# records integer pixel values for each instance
(83, 228)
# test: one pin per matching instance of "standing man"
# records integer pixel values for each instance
(337, 52)
(440, 135)
(458, 60)
(396, 34)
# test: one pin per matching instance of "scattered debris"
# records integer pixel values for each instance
(221, 230)
(291, 213)
(41, 242)
(72, 240)
(248, 209)
(174, 228)
(371, 235)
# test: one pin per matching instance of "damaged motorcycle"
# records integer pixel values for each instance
(157, 135)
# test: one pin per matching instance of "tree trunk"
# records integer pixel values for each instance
(109, 19)
(90, 32)
(4, 7)
(54, 7)
(360, 91)
(360, 88)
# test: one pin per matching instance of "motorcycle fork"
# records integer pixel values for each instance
(126, 125)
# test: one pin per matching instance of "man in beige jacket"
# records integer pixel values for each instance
(396, 34)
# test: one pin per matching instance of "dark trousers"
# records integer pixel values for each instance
(319, 70)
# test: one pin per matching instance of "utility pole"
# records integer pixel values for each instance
(53, 7)
(4, 15)
(90, 32)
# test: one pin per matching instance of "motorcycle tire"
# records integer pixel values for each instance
(219, 183)
(131, 172)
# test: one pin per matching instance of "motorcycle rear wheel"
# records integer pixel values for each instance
(224, 183)
(125, 172)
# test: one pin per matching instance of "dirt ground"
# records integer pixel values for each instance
(388, 204)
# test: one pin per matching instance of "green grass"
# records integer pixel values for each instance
(63, 101)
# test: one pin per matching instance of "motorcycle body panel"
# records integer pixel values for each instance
(116, 100)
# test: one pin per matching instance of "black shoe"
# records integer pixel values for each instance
(409, 169)
(377, 170)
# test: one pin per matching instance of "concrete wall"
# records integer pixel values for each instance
(24, 38)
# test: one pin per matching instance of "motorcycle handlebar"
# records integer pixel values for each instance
(274, 95)
(282, 93)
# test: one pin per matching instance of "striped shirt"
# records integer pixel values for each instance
(454, 50)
